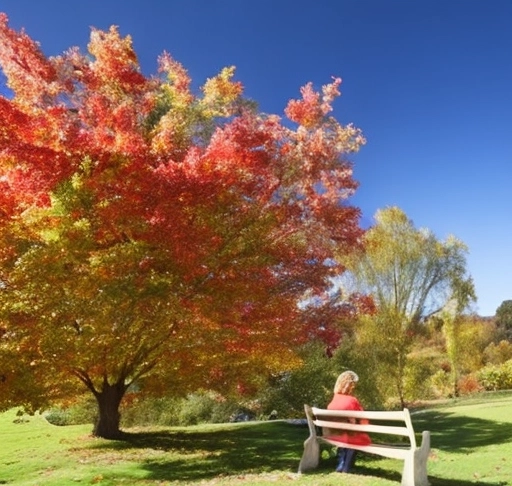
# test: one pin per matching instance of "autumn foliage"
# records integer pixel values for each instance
(155, 236)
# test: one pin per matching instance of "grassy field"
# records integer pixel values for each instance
(471, 445)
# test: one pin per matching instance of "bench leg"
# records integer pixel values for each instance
(311, 455)
(420, 461)
(415, 465)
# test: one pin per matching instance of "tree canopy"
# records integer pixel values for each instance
(411, 276)
(504, 318)
(408, 270)
(157, 237)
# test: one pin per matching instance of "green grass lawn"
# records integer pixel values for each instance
(471, 445)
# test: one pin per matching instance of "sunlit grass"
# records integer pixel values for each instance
(471, 445)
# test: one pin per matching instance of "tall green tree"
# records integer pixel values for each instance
(503, 318)
(411, 275)
(156, 237)
(467, 338)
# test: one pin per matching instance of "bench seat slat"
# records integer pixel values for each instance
(392, 451)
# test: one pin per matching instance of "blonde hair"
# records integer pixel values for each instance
(345, 381)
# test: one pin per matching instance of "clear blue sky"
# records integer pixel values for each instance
(428, 81)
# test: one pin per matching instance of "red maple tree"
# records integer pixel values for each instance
(154, 236)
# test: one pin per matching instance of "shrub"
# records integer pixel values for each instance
(496, 377)
(58, 416)
(312, 383)
(84, 411)
(417, 378)
(498, 353)
(441, 383)
(150, 411)
(469, 384)
(207, 407)
(196, 408)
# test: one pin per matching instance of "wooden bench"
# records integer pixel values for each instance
(389, 423)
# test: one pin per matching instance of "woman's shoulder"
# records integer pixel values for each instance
(344, 402)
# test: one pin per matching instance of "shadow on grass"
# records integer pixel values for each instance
(252, 448)
(368, 465)
(460, 433)
(195, 455)
(434, 481)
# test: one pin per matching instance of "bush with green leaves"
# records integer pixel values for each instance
(417, 378)
(196, 408)
(312, 383)
(206, 407)
(139, 412)
(83, 411)
(497, 353)
(496, 377)
(58, 416)
(441, 383)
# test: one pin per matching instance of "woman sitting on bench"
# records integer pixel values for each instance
(344, 400)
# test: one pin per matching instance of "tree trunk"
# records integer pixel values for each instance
(400, 389)
(109, 399)
(455, 384)
(400, 377)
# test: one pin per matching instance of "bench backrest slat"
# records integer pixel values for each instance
(397, 415)
(368, 428)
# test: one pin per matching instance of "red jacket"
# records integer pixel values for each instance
(349, 402)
